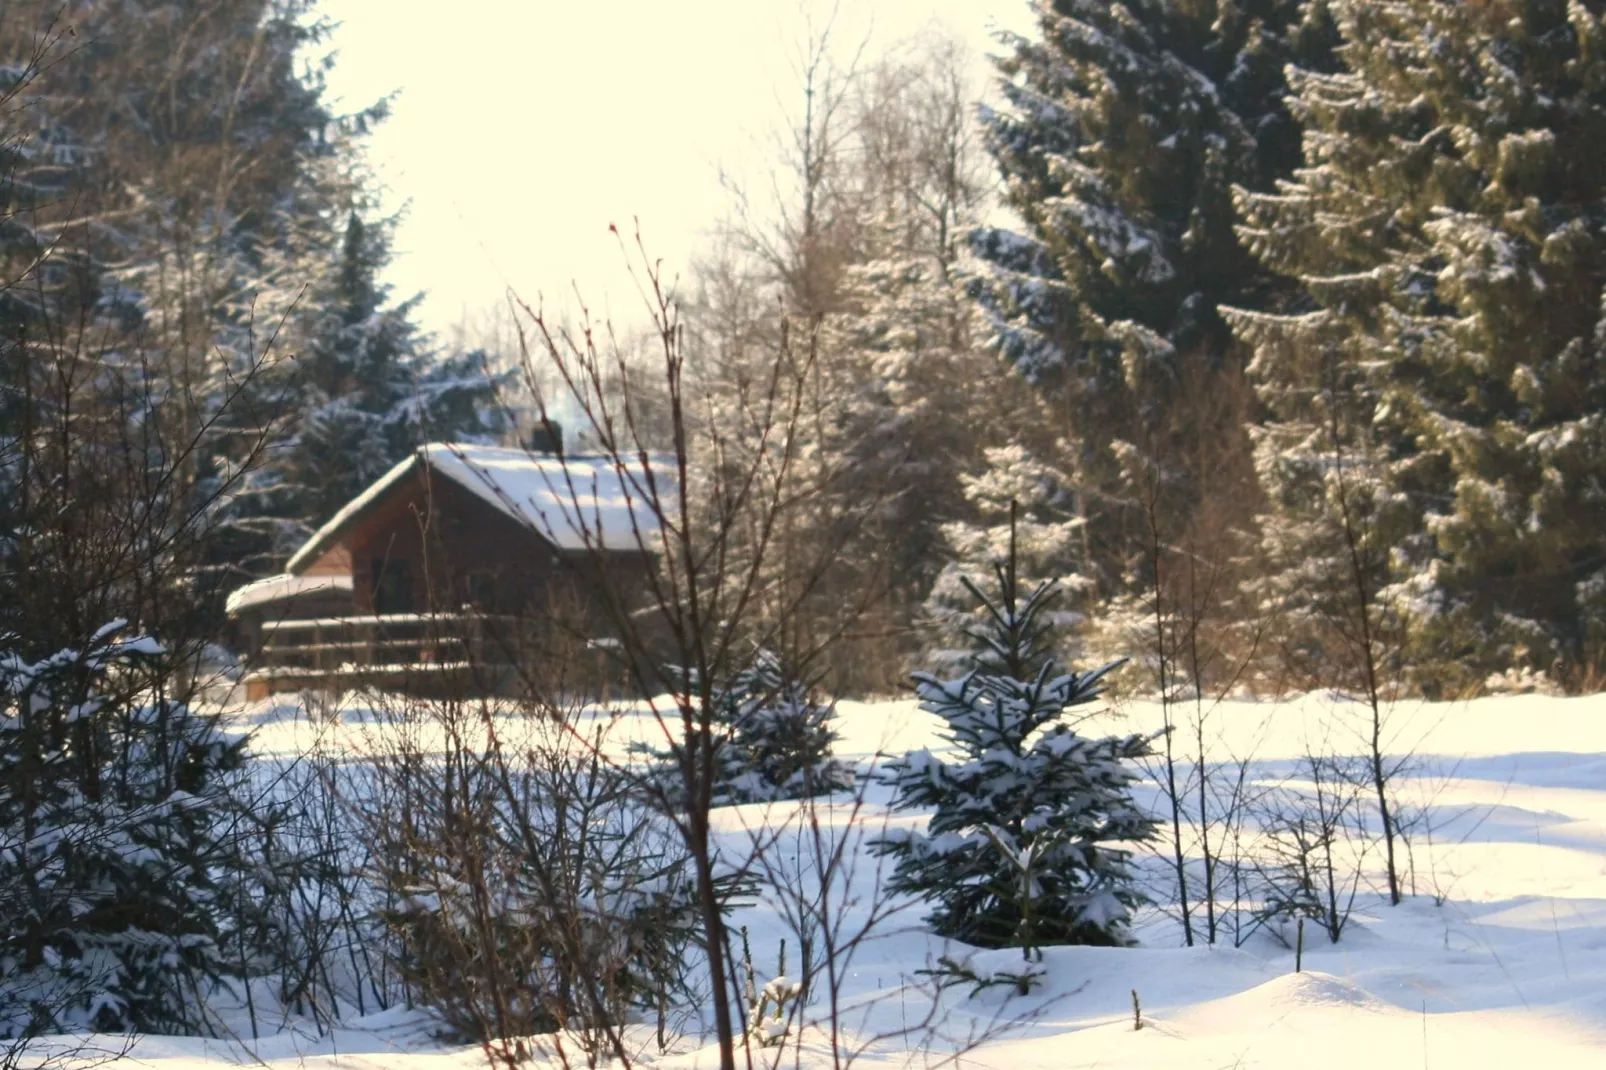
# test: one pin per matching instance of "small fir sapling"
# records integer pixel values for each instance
(780, 739)
(1019, 851)
(772, 739)
(771, 1009)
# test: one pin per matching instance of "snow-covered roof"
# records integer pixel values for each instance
(285, 585)
(576, 503)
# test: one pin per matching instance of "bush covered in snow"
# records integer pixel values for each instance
(114, 844)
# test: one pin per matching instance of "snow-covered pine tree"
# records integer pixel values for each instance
(903, 415)
(367, 388)
(1020, 850)
(1335, 536)
(206, 205)
(373, 386)
(354, 374)
(1446, 228)
(1126, 125)
(115, 848)
(919, 391)
(219, 210)
(901, 394)
(1513, 368)
(50, 277)
(779, 739)
(1023, 511)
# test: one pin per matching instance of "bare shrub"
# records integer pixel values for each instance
(1186, 619)
(1315, 844)
(530, 889)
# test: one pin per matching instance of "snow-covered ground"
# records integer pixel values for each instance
(1497, 960)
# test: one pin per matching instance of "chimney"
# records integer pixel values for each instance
(546, 437)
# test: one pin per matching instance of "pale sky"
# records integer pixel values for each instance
(524, 127)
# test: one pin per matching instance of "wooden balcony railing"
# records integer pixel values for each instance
(426, 654)
(404, 650)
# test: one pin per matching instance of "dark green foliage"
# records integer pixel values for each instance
(115, 844)
(1127, 126)
(770, 740)
(778, 743)
(370, 388)
(1447, 229)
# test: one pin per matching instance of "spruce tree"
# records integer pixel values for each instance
(771, 739)
(221, 214)
(909, 412)
(778, 738)
(115, 851)
(373, 386)
(917, 396)
(205, 205)
(900, 397)
(1126, 126)
(354, 374)
(1018, 849)
(1445, 228)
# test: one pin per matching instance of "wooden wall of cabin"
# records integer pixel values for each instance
(629, 578)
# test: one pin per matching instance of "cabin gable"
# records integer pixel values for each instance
(335, 562)
(430, 546)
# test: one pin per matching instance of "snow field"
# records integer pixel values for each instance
(1497, 959)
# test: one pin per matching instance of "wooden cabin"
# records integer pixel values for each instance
(461, 570)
